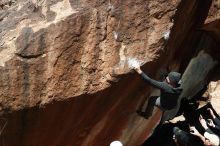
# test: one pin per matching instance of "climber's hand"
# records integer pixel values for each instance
(138, 69)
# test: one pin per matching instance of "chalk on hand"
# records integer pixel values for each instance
(134, 63)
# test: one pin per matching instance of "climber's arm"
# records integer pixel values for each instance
(156, 84)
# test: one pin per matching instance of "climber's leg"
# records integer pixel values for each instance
(150, 107)
(143, 105)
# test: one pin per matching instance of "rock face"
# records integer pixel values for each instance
(54, 50)
(64, 75)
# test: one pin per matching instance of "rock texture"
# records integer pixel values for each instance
(64, 76)
(54, 50)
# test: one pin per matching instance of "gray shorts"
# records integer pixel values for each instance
(158, 104)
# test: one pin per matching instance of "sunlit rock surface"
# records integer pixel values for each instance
(54, 50)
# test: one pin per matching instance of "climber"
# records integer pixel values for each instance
(170, 90)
